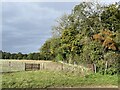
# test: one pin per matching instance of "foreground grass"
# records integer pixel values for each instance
(44, 79)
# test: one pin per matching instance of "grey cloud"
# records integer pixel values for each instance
(26, 26)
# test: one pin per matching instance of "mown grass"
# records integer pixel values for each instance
(44, 79)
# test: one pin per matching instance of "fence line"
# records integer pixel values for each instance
(55, 66)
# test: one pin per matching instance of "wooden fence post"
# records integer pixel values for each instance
(25, 66)
(43, 66)
(94, 68)
(9, 63)
(61, 66)
(106, 66)
(38, 66)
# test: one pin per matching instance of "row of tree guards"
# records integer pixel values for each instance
(29, 66)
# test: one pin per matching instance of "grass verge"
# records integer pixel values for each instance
(45, 79)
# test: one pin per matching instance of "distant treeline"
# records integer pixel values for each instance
(19, 56)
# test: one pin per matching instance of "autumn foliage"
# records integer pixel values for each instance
(105, 38)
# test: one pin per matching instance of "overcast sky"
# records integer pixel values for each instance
(27, 25)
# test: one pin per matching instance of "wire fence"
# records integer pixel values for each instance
(13, 66)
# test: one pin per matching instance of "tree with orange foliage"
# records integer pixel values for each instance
(105, 38)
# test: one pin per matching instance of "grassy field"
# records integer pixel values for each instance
(51, 76)
(18, 65)
(45, 79)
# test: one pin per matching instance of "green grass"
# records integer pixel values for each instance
(44, 79)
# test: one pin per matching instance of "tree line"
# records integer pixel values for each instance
(89, 35)
(20, 56)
